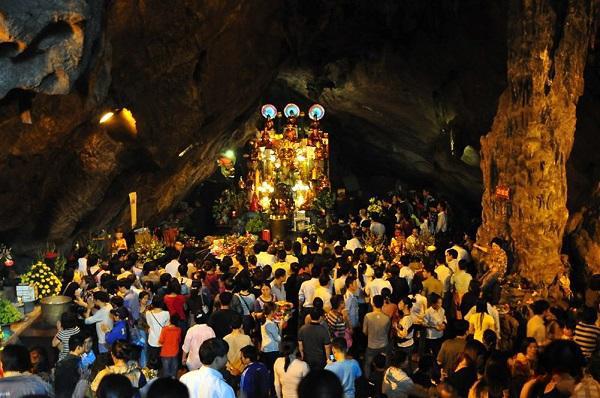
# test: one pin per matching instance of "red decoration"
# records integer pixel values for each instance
(50, 255)
(266, 235)
(502, 192)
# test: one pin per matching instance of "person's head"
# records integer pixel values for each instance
(451, 254)
(120, 351)
(398, 359)
(280, 276)
(265, 290)
(119, 314)
(351, 284)
(249, 354)
(405, 304)
(315, 314)
(490, 339)
(339, 347)
(68, 320)
(435, 301)
(320, 384)
(377, 301)
(213, 353)
(337, 302)
(101, 298)
(562, 357)
(225, 298)
(124, 285)
(378, 271)
(237, 322)
(15, 358)
(88, 342)
(462, 265)
(165, 278)
(461, 327)
(324, 279)
(589, 315)
(166, 387)
(269, 309)
(144, 297)
(77, 344)
(481, 307)
(173, 286)
(540, 307)
(115, 386)
(529, 347)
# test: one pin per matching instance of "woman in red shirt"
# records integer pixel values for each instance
(175, 302)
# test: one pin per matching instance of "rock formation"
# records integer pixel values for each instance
(533, 131)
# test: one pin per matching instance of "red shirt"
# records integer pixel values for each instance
(175, 305)
(170, 338)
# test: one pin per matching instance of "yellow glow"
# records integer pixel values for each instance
(301, 158)
(106, 117)
(128, 116)
(229, 154)
(265, 202)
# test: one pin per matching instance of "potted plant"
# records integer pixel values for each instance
(8, 314)
(256, 224)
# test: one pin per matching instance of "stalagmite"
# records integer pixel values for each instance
(533, 132)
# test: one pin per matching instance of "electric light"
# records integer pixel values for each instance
(229, 154)
(106, 117)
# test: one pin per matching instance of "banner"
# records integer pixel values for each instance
(133, 208)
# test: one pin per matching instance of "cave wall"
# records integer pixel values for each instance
(396, 78)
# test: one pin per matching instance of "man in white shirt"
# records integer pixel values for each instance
(442, 219)
(262, 257)
(208, 380)
(452, 260)
(405, 271)
(354, 243)
(443, 273)
(289, 257)
(101, 318)
(374, 287)
(82, 262)
(172, 266)
(463, 254)
(377, 228)
(306, 295)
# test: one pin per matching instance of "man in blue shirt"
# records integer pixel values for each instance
(254, 382)
(347, 370)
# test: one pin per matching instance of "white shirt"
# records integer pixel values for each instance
(82, 265)
(408, 274)
(264, 258)
(406, 322)
(307, 292)
(101, 318)
(375, 287)
(443, 274)
(453, 265)
(442, 222)
(156, 321)
(434, 318)
(463, 254)
(195, 336)
(291, 259)
(419, 308)
(173, 268)
(207, 383)
(339, 284)
(353, 244)
(286, 382)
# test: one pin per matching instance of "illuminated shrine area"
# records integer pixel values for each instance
(206, 127)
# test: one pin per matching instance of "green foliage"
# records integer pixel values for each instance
(8, 313)
(229, 201)
(256, 224)
(324, 201)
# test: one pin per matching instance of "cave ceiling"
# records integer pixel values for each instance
(398, 79)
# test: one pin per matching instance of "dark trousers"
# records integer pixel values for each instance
(170, 365)
(154, 357)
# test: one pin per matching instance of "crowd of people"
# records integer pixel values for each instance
(388, 304)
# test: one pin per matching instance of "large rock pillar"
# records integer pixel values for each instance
(533, 131)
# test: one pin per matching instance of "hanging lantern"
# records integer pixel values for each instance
(268, 111)
(316, 112)
(291, 110)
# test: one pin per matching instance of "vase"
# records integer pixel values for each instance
(53, 307)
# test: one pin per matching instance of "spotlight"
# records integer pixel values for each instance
(120, 125)
(229, 154)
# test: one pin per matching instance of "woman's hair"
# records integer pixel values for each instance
(68, 320)
(408, 302)
(115, 386)
(268, 308)
(173, 286)
(320, 384)
(481, 310)
(288, 348)
(336, 301)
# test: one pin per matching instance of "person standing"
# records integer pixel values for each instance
(101, 319)
(347, 370)
(17, 381)
(314, 342)
(271, 337)
(67, 327)
(254, 382)
(451, 349)
(587, 334)
(156, 318)
(376, 327)
(288, 370)
(169, 340)
(194, 338)
(435, 322)
(68, 370)
(208, 380)
(236, 341)
(536, 327)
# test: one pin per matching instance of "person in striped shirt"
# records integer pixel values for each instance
(587, 334)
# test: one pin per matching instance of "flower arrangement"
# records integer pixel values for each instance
(149, 250)
(42, 276)
(256, 224)
(8, 313)
(227, 245)
(6, 256)
(230, 203)
(375, 206)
